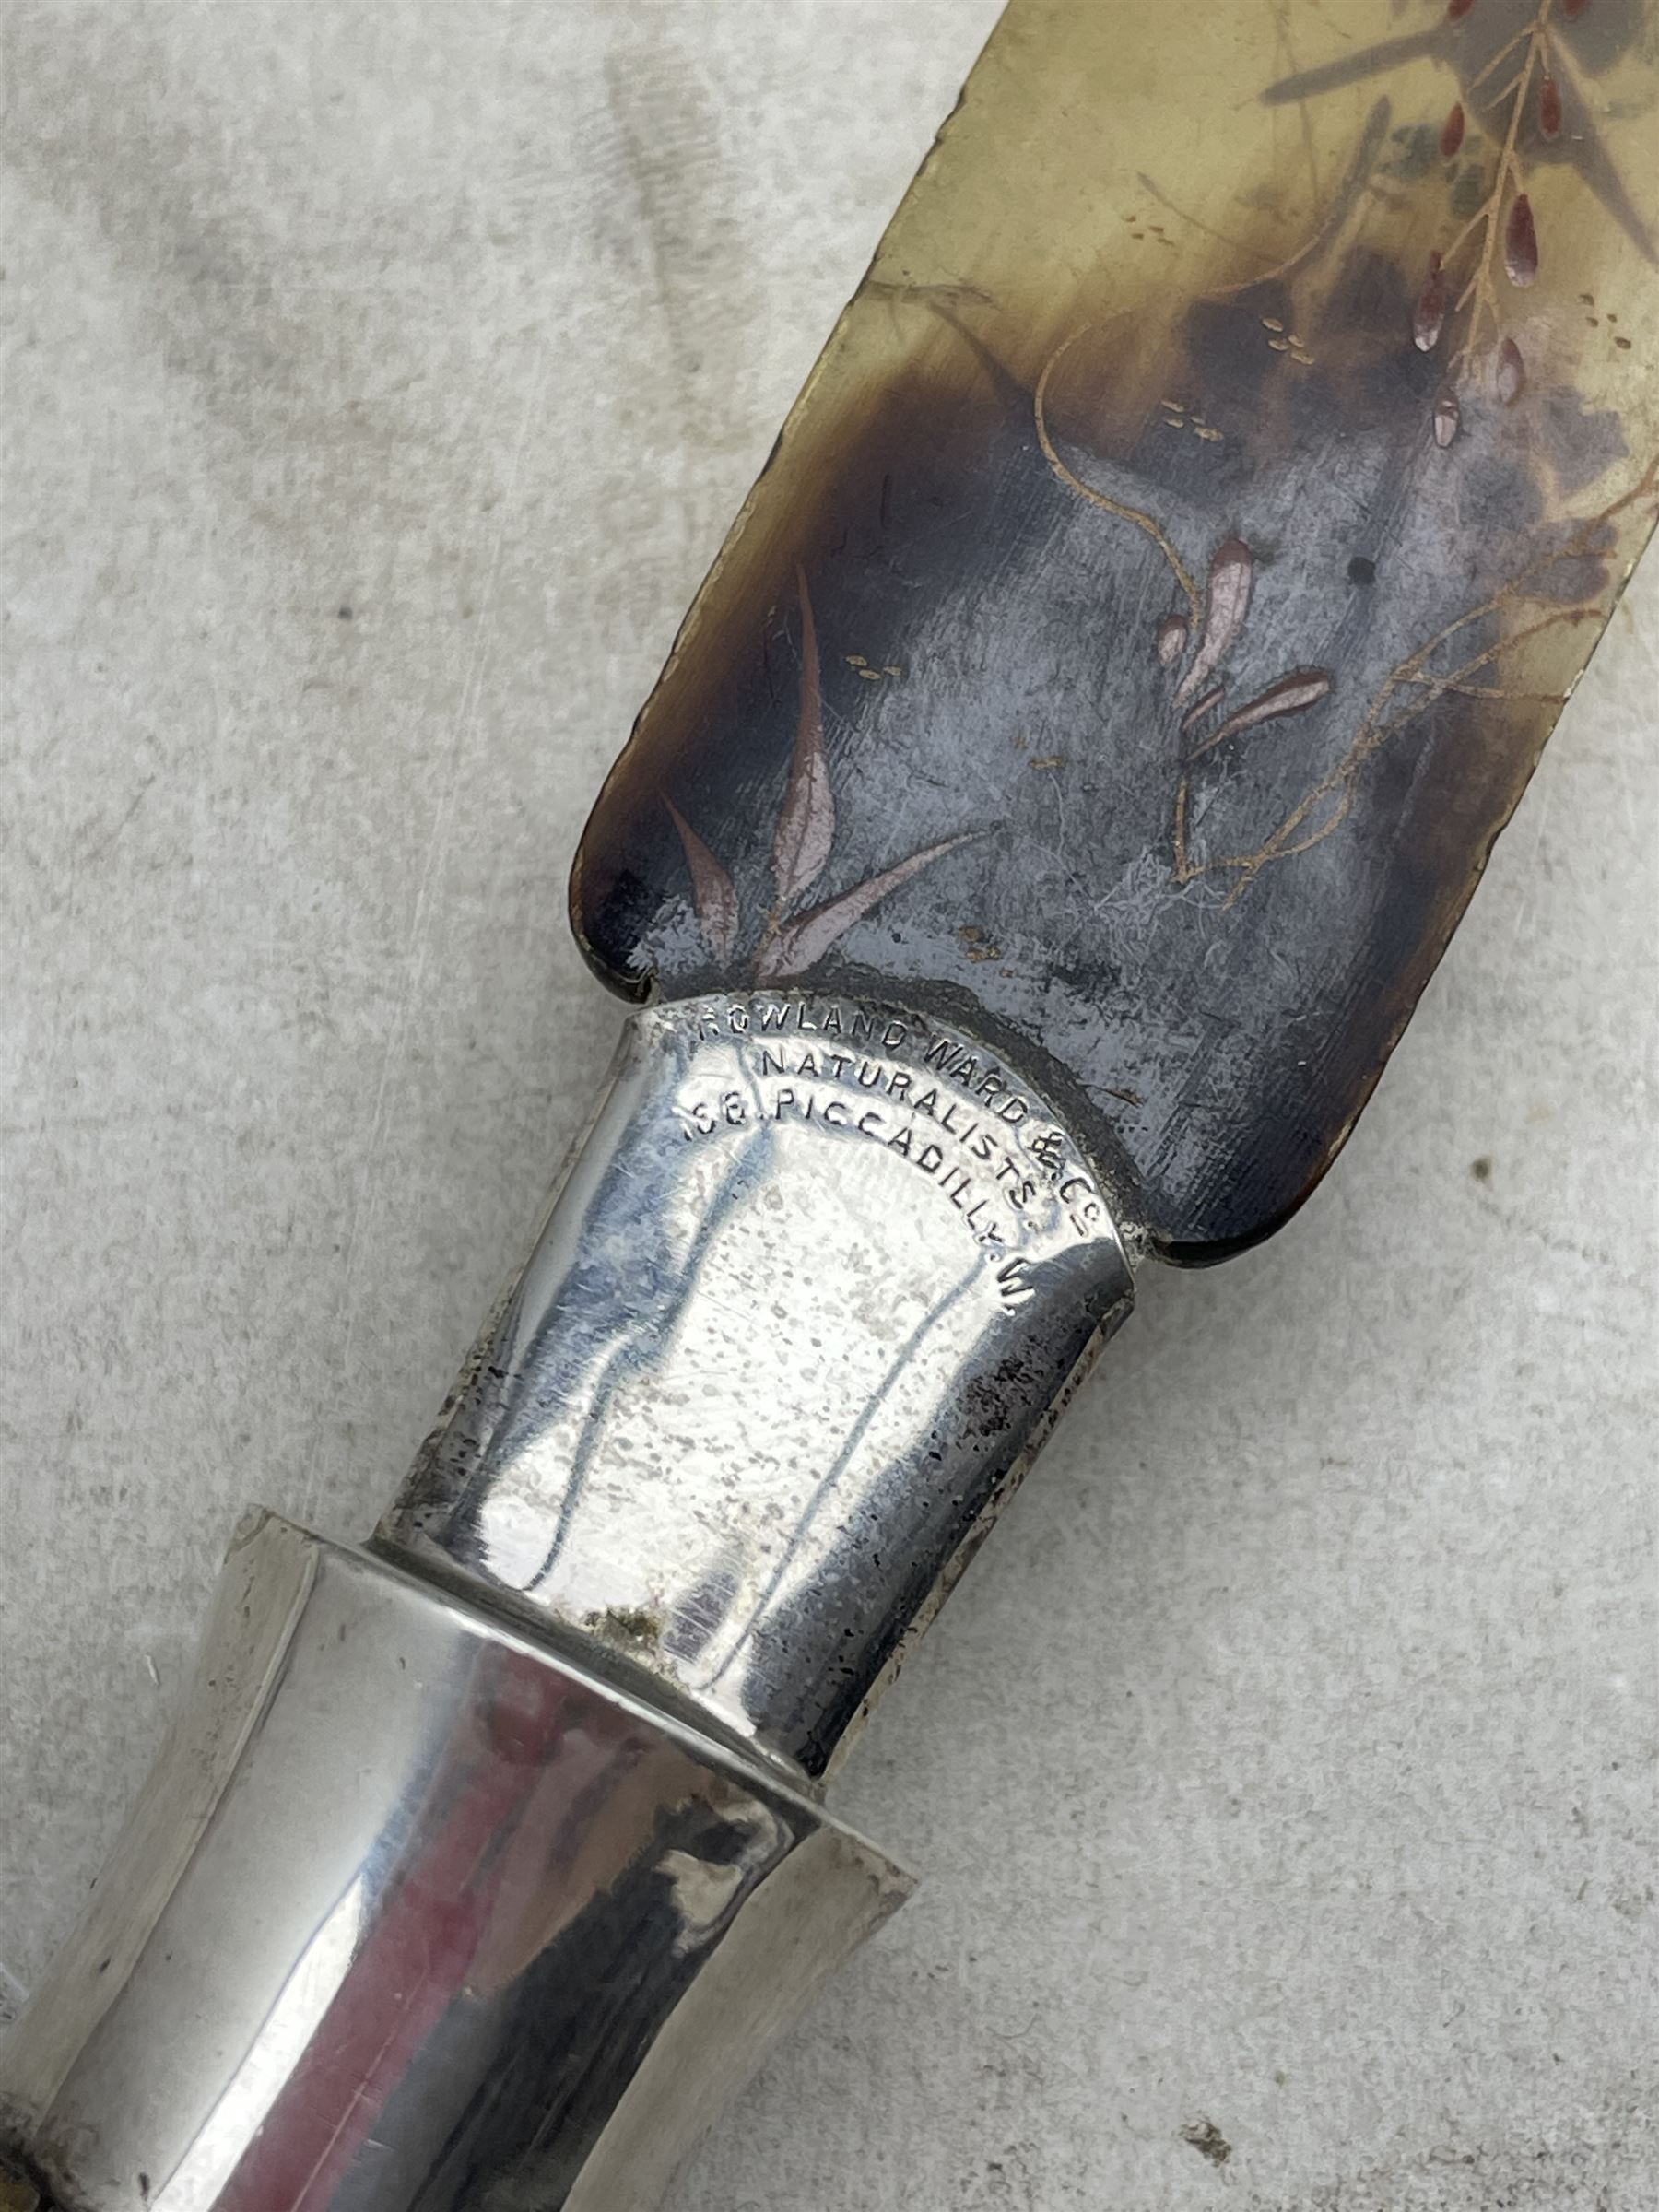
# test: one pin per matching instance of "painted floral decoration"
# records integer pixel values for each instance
(792, 938)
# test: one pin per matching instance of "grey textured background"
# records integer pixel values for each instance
(1288, 1762)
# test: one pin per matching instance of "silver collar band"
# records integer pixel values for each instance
(804, 1309)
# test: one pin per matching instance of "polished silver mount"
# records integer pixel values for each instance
(805, 1305)
(483, 1863)
(412, 1912)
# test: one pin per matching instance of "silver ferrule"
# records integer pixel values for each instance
(413, 1915)
(810, 1297)
(482, 1864)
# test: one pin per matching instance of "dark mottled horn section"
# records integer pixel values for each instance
(1161, 592)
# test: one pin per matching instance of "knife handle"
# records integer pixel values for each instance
(488, 1858)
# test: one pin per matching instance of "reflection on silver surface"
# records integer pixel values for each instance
(412, 1914)
(251, 2097)
(805, 1306)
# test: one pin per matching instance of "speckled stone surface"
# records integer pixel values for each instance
(1282, 1779)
